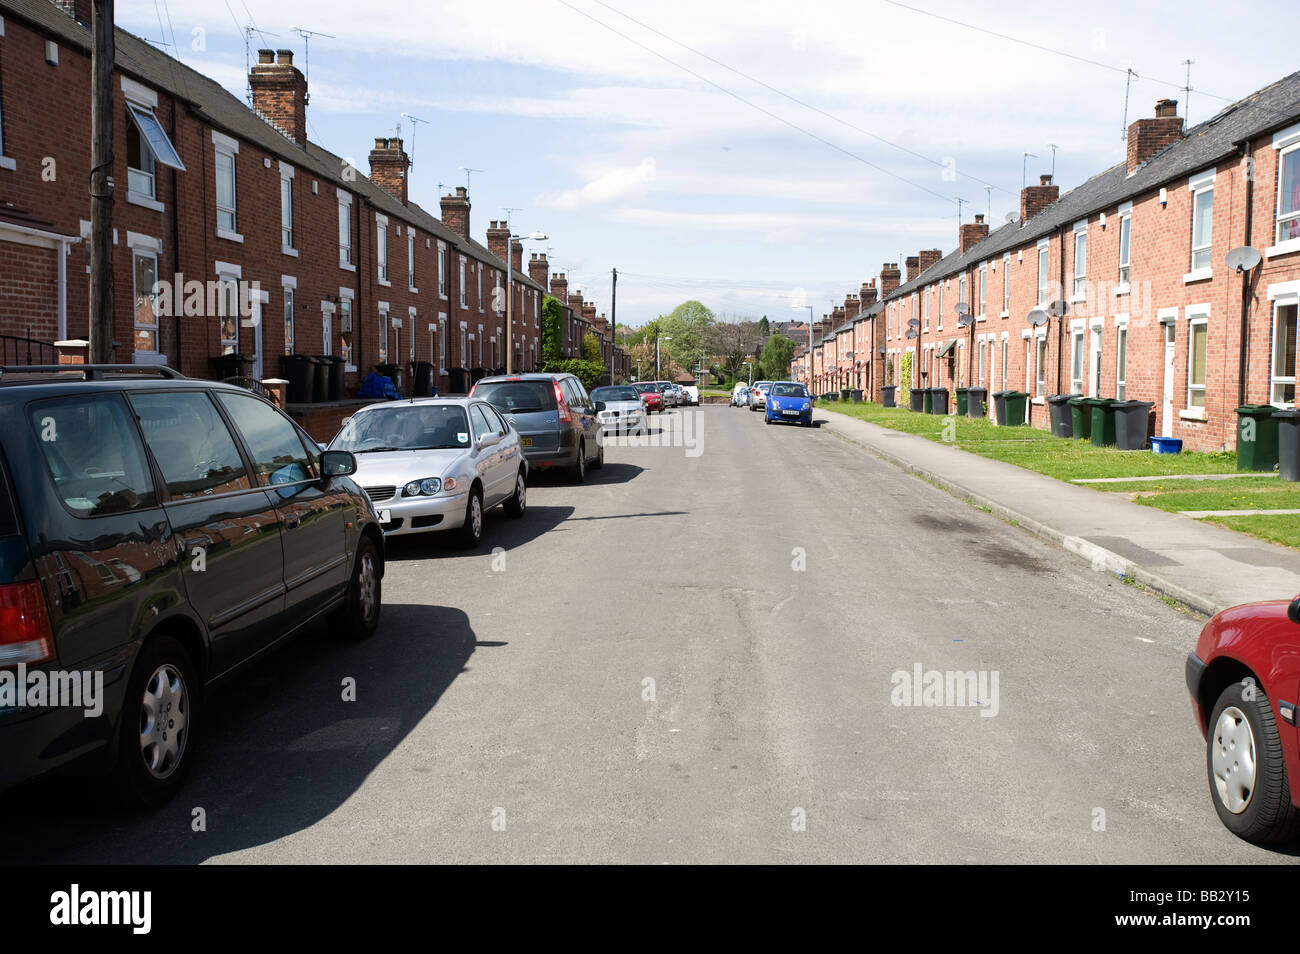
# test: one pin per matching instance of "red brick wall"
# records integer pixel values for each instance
(28, 291)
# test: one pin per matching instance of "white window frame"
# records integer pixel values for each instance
(939, 323)
(143, 247)
(286, 209)
(289, 291)
(227, 146)
(347, 260)
(442, 270)
(410, 260)
(327, 310)
(1287, 144)
(381, 249)
(1040, 363)
(925, 309)
(1198, 186)
(1121, 357)
(1006, 285)
(1125, 252)
(984, 292)
(464, 285)
(1076, 355)
(442, 342)
(1079, 291)
(347, 295)
(1197, 316)
(478, 274)
(1044, 271)
(1282, 295)
(382, 353)
(228, 275)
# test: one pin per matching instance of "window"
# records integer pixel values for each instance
(345, 327)
(984, 289)
(273, 443)
(980, 362)
(96, 460)
(940, 323)
(1076, 361)
(478, 272)
(925, 308)
(1041, 365)
(479, 340)
(1005, 348)
(1080, 262)
(381, 247)
(383, 334)
(190, 443)
(961, 288)
(442, 343)
(327, 327)
(226, 213)
(286, 212)
(1044, 272)
(442, 270)
(1199, 328)
(288, 320)
(228, 313)
(1284, 347)
(146, 144)
(1202, 216)
(145, 273)
(1006, 285)
(410, 259)
(1029, 365)
(1125, 239)
(464, 346)
(345, 232)
(1121, 361)
(464, 287)
(1288, 194)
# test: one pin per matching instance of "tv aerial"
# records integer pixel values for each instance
(1243, 259)
(306, 55)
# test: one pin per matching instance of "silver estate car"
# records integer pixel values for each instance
(758, 395)
(436, 464)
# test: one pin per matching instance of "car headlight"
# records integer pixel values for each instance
(422, 488)
(807, 405)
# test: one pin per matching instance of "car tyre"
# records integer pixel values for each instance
(359, 616)
(579, 472)
(600, 457)
(471, 531)
(517, 503)
(157, 726)
(1246, 768)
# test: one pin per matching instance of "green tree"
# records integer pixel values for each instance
(590, 350)
(763, 327)
(775, 362)
(552, 329)
(689, 325)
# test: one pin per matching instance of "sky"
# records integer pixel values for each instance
(752, 155)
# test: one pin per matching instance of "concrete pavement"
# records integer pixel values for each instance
(1204, 567)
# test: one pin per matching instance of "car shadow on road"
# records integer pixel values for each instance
(282, 749)
(613, 472)
(499, 530)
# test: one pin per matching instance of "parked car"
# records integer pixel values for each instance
(555, 417)
(1244, 678)
(758, 395)
(436, 464)
(623, 410)
(672, 398)
(740, 395)
(690, 394)
(788, 401)
(162, 532)
(651, 396)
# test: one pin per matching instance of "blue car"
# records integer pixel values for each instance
(790, 402)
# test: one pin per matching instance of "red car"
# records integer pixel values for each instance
(1245, 681)
(651, 398)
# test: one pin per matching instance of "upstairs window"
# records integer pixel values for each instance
(146, 145)
(286, 212)
(1288, 194)
(345, 232)
(1044, 272)
(1080, 262)
(1202, 224)
(226, 210)
(1125, 239)
(381, 247)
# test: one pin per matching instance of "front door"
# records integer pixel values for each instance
(255, 322)
(1167, 407)
(1096, 362)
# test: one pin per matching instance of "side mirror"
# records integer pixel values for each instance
(338, 463)
(1293, 611)
(489, 439)
(600, 405)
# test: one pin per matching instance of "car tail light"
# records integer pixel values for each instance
(472, 389)
(560, 406)
(25, 635)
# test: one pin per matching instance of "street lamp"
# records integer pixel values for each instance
(510, 290)
(657, 340)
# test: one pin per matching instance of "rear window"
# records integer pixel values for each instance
(518, 397)
(93, 454)
(8, 517)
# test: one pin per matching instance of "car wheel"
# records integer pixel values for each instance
(518, 501)
(471, 531)
(600, 458)
(359, 617)
(159, 718)
(1247, 772)
(767, 418)
(580, 466)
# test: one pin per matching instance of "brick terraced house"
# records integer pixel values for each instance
(1136, 253)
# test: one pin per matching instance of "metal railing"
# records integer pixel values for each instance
(18, 350)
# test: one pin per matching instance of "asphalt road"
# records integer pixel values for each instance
(770, 581)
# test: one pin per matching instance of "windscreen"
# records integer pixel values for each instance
(789, 390)
(614, 394)
(405, 427)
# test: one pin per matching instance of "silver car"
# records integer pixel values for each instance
(672, 397)
(758, 395)
(619, 409)
(436, 464)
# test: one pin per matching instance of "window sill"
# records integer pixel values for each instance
(981, 318)
(137, 198)
(1283, 248)
(349, 368)
(1005, 314)
(1038, 401)
(229, 236)
(346, 267)
(148, 357)
(287, 250)
(1076, 299)
(1193, 414)
(8, 163)
(412, 289)
(1120, 290)
(1198, 275)
(385, 282)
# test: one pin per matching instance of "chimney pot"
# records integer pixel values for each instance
(1166, 107)
(266, 56)
(285, 57)
(980, 216)
(1042, 180)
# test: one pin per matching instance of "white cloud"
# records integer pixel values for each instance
(614, 184)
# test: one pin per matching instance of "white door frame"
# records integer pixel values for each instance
(1167, 406)
(255, 321)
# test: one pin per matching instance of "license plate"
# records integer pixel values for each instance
(790, 413)
(526, 441)
(385, 516)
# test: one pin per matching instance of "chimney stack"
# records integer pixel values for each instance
(517, 257)
(498, 239)
(560, 288)
(1033, 199)
(388, 165)
(889, 278)
(280, 93)
(1146, 137)
(455, 212)
(913, 266)
(538, 268)
(972, 233)
(928, 257)
(868, 294)
(575, 303)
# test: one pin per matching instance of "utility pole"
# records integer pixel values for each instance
(101, 184)
(613, 320)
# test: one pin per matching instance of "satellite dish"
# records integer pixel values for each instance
(1010, 217)
(1037, 317)
(1242, 259)
(1058, 309)
(965, 320)
(881, 351)
(913, 322)
(911, 333)
(961, 308)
